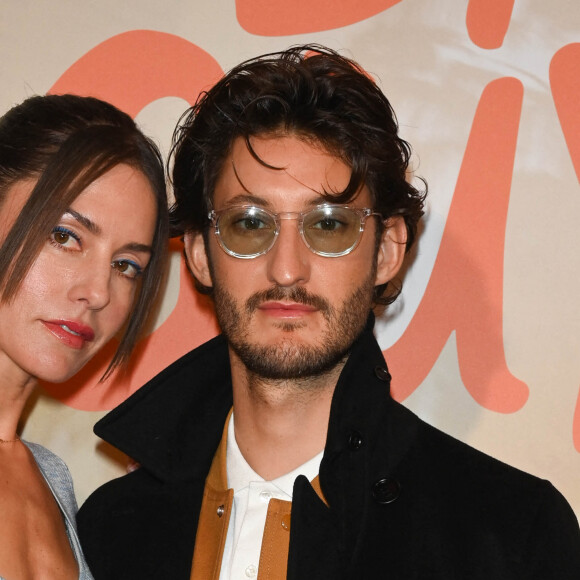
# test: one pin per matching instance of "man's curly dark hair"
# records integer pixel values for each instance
(311, 92)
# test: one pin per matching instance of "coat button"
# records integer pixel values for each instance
(386, 490)
(382, 374)
(355, 440)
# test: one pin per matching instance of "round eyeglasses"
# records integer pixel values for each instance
(327, 230)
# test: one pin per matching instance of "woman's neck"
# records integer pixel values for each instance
(16, 386)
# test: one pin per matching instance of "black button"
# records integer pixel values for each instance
(355, 440)
(382, 374)
(386, 490)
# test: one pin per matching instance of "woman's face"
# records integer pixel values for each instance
(79, 291)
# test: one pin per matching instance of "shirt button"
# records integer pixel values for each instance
(265, 496)
(251, 571)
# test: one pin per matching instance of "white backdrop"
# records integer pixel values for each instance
(485, 341)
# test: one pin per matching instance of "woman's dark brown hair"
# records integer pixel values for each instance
(64, 143)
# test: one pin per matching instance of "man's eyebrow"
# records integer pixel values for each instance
(251, 199)
(84, 221)
(320, 199)
(247, 198)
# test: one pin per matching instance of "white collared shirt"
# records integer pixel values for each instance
(250, 507)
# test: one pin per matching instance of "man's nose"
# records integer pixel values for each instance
(289, 260)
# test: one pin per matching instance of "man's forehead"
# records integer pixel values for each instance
(273, 166)
(272, 148)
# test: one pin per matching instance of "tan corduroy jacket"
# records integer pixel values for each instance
(214, 520)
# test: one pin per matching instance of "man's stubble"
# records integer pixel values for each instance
(290, 358)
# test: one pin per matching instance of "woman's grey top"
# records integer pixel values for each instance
(59, 480)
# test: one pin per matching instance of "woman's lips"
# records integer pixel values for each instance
(73, 334)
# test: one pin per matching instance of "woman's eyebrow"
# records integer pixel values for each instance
(136, 247)
(84, 221)
(92, 227)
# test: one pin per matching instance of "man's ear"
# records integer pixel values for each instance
(391, 250)
(194, 246)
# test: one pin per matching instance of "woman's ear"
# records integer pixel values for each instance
(195, 253)
(391, 250)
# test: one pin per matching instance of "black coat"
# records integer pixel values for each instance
(405, 500)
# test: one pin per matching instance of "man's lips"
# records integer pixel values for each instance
(73, 334)
(286, 310)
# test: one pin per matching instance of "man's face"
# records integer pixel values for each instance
(291, 313)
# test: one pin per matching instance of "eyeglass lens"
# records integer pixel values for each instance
(327, 230)
(247, 231)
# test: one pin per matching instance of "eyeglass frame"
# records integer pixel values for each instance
(363, 214)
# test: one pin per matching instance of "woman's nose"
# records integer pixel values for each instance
(91, 284)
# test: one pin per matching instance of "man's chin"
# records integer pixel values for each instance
(287, 343)
(287, 359)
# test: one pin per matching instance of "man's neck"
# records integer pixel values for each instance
(280, 424)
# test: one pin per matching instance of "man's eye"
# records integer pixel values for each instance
(251, 223)
(328, 224)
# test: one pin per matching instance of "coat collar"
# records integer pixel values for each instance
(172, 425)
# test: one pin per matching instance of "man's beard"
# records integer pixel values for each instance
(289, 358)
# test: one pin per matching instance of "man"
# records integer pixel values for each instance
(291, 194)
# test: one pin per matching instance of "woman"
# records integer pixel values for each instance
(83, 231)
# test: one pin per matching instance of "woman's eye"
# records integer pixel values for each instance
(127, 268)
(64, 238)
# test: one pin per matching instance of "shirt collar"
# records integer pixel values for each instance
(240, 474)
